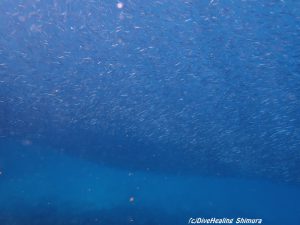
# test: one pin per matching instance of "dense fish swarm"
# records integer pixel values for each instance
(208, 87)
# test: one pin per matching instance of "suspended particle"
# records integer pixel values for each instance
(131, 199)
(120, 5)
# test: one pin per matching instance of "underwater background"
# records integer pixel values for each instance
(149, 112)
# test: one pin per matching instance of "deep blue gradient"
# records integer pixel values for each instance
(149, 113)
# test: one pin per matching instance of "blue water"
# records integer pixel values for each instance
(149, 112)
